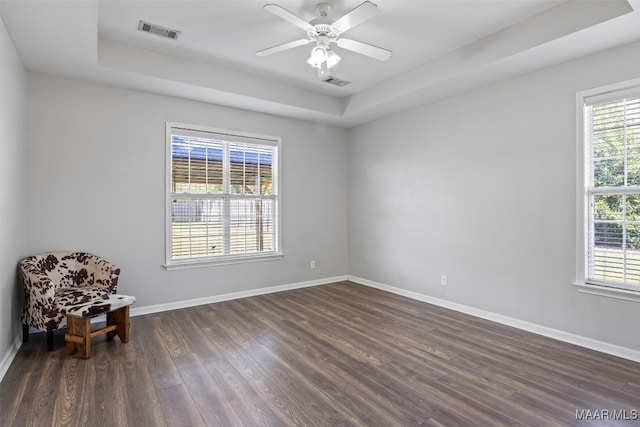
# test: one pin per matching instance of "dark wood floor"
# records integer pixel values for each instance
(339, 354)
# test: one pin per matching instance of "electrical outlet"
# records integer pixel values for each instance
(443, 280)
(312, 264)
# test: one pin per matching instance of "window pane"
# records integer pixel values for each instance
(633, 170)
(633, 224)
(251, 225)
(196, 228)
(607, 207)
(238, 180)
(608, 173)
(633, 267)
(608, 235)
(608, 116)
(251, 166)
(633, 140)
(608, 143)
(608, 130)
(196, 165)
(179, 165)
(268, 224)
(214, 179)
(633, 207)
(266, 173)
(608, 265)
(633, 236)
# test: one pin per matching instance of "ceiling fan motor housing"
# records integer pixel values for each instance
(319, 30)
(322, 26)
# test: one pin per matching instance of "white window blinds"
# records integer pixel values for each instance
(222, 195)
(612, 178)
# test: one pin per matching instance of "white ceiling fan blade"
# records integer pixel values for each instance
(365, 49)
(358, 15)
(285, 14)
(281, 47)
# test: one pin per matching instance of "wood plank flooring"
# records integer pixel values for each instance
(333, 355)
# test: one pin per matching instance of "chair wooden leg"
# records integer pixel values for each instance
(25, 332)
(50, 340)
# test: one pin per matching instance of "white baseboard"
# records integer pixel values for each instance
(592, 344)
(10, 355)
(138, 311)
(604, 347)
(157, 308)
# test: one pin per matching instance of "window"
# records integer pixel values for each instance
(222, 196)
(611, 143)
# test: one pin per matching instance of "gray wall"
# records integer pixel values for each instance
(96, 158)
(12, 188)
(482, 188)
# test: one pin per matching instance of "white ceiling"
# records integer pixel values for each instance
(440, 48)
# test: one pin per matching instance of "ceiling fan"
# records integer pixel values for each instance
(323, 31)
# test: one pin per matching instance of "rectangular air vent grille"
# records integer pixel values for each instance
(158, 30)
(336, 81)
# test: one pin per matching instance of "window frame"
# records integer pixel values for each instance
(229, 136)
(583, 190)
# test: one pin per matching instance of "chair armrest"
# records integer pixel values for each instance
(37, 285)
(106, 275)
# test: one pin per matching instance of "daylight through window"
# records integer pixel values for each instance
(612, 190)
(222, 197)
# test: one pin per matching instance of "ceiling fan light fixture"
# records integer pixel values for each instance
(332, 59)
(319, 54)
(323, 56)
(311, 61)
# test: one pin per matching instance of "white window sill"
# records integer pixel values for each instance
(224, 261)
(608, 292)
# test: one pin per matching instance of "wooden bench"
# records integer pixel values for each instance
(79, 334)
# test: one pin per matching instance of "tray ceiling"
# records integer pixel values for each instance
(440, 48)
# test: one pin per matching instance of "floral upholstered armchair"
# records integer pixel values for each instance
(56, 278)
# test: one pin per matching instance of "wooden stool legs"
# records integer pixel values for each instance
(120, 318)
(78, 336)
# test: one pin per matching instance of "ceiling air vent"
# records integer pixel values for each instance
(336, 81)
(158, 30)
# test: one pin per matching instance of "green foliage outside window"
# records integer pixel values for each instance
(616, 163)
